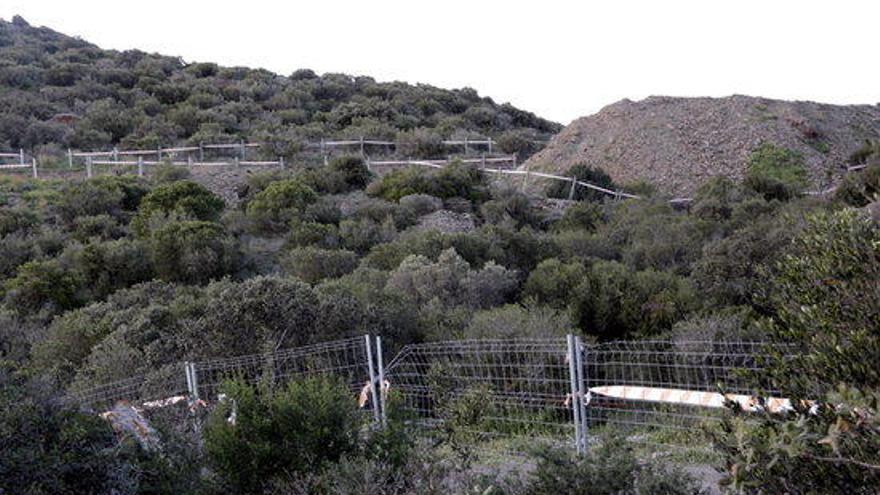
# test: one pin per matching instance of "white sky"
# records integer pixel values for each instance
(558, 59)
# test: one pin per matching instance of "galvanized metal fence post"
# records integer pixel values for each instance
(381, 366)
(369, 349)
(195, 381)
(573, 379)
(582, 391)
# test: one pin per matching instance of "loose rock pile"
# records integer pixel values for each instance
(679, 143)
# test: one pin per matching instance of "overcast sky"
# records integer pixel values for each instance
(558, 59)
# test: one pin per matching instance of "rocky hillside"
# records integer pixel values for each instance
(57, 91)
(678, 143)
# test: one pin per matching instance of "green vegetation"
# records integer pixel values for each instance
(114, 277)
(61, 92)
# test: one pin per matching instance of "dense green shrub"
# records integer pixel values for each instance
(49, 448)
(583, 173)
(352, 170)
(313, 234)
(580, 216)
(514, 321)
(860, 188)
(776, 173)
(420, 204)
(279, 203)
(100, 227)
(296, 429)
(825, 295)
(181, 200)
(105, 267)
(553, 281)
(610, 468)
(616, 302)
(513, 209)
(312, 264)
(361, 235)
(43, 285)
(118, 196)
(192, 252)
(455, 180)
(166, 173)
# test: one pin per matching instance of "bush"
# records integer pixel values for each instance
(552, 282)
(43, 285)
(580, 216)
(514, 321)
(192, 252)
(101, 227)
(51, 448)
(825, 295)
(455, 180)
(610, 468)
(352, 170)
(297, 429)
(776, 173)
(117, 196)
(167, 173)
(420, 204)
(312, 264)
(860, 188)
(182, 200)
(313, 234)
(274, 207)
(105, 267)
(615, 302)
(583, 173)
(512, 208)
(361, 235)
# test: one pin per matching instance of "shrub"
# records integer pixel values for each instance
(117, 196)
(583, 173)
(43, 285)
(420, 204)
(552, 282)
(512, 208)
(361, 235)
(106, 267)
(274, 207)
(776, 173)
(167, 173)
(102, 227)
(514, 321)
(51, 448)
(313, 234)
(312, 264)
(296, 429)
(609, 468)
(182, 200)
(352, 170)
(15, 220)
(615, 302)
(580, 216)
(860, 188)
(420, 143)
(825, 295)
(455, 180)
(192, 252)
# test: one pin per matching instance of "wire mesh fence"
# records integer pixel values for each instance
(506, 396)
(668, 387)
(487, 391)
(161, 385)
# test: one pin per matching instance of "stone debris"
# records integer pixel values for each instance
(679, 143)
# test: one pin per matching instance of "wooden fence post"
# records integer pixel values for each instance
(69, 158)
(573, 187)
(34, 164)
(140, 166)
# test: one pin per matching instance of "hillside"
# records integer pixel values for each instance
(57, 91)
(678, 143)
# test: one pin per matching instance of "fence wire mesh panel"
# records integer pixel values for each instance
(169, 382)
(344, 359)
(667, 389)
(503, 395)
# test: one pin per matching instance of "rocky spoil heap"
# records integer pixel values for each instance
(678, 143)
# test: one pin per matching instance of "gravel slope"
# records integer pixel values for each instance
(678, 143)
